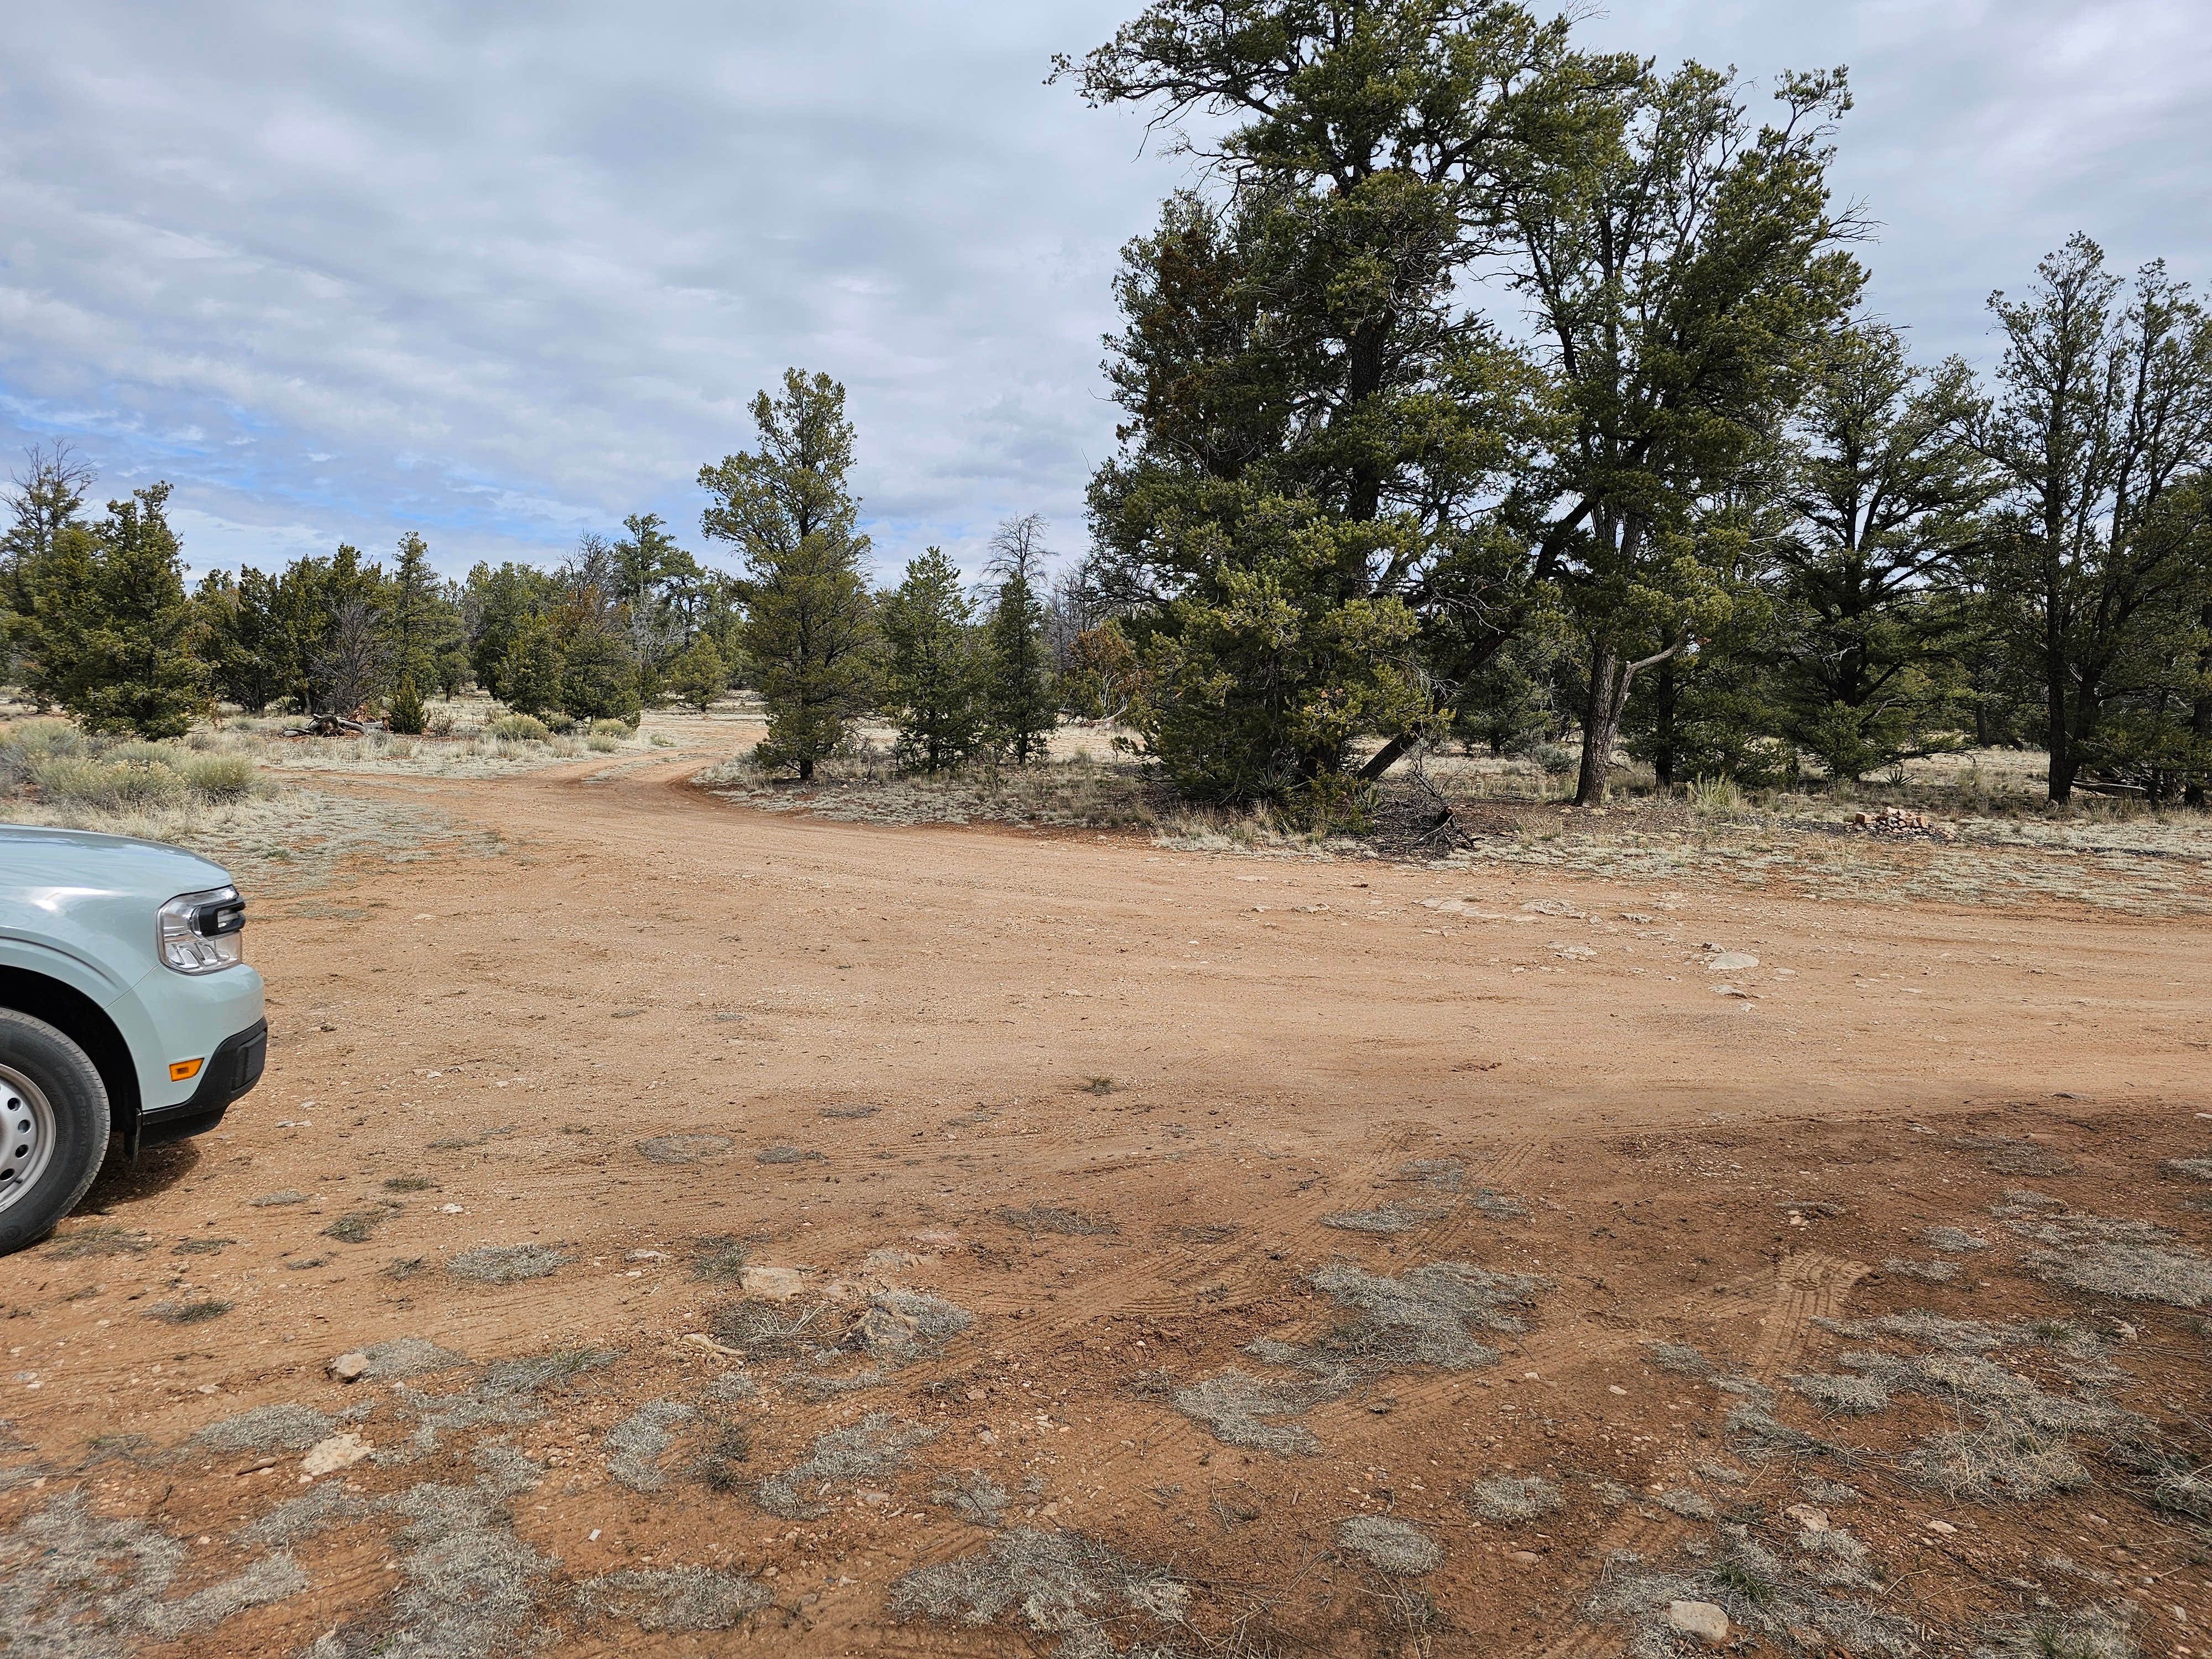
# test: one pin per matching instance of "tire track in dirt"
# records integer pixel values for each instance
(1808, 1285)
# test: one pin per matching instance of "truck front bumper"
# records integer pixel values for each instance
(231, 1071)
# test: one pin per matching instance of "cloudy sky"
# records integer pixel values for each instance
(503, 273)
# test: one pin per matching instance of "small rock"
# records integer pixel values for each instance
(1703, 1619)
(1944, 1527)
(776, 1283)
(885, 1330)
(1806, 1515)
(1730, 962)
(1526, 1557)
(349, 1367)
(340, 1451)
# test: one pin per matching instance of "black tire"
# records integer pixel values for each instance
(75, 1124)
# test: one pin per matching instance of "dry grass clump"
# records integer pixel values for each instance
(1760, 1592)
(518, 728)
(79, 778)
(190, 1313)
(508, 1264)
(1843, 1396)
(288, 1428)
(2102, 1631)
(718, 1258)
(1956, 1240)
(2002, 1459)
(867, 787)
(1423, 1317)
(1389, 1545)
(674, 1598)
(635, 1445)
(873, 1448)
(2194, 1169)
(764, 1330)
(408, 1355)
(973, 1496)
(1051, 1583)
(1390, 1218)
(74, 1584)
(89, 1242)
(1509, 1498)
(720, 1467)
(1426, 1315)
(1053, 1218)
(2106, 1256)
(1934, 1273)
(684, 1149)
(1241, 1410)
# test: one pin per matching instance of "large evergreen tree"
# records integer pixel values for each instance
(110, 627)
(809, 627)
(1885, 489)
(2103, 409)
(931, 682)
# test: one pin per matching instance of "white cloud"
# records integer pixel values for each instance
(500, 273)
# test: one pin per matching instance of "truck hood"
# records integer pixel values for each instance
(82, 865)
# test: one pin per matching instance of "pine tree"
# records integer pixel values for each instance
(810, 622)
(411, 611)
(931, 680)
(406, 714)
(700, 674)
(1017, 688)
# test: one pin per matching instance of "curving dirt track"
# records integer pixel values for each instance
(1118, 1105)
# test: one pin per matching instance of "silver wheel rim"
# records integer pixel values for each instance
(26, 1135)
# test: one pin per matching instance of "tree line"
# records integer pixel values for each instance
(1486, 389)
(96, 618)
(1495, 387)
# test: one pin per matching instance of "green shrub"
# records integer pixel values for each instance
(45, 736)
(603, 744)
(220, 777)
(84, 781)
(406, 714)
(140, 753)
(615, 729)
(518, 728)
(557, 720)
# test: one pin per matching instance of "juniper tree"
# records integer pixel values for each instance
(699, 675)
(110, 627)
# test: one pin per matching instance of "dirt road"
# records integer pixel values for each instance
(943, 1241)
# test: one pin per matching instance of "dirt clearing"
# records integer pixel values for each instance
(748, 1229)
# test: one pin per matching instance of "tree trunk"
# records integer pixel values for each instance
(1600, 724)
(805, 770)
(1384, 758)
(2200, 724)
(2057, 736)
(1664, 697)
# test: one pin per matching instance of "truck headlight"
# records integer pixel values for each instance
(204, 932)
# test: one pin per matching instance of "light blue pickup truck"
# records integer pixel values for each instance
(127, 1010)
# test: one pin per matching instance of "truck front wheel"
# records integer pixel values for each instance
(53, 1127)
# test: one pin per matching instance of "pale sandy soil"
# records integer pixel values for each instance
(1129, 1110)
